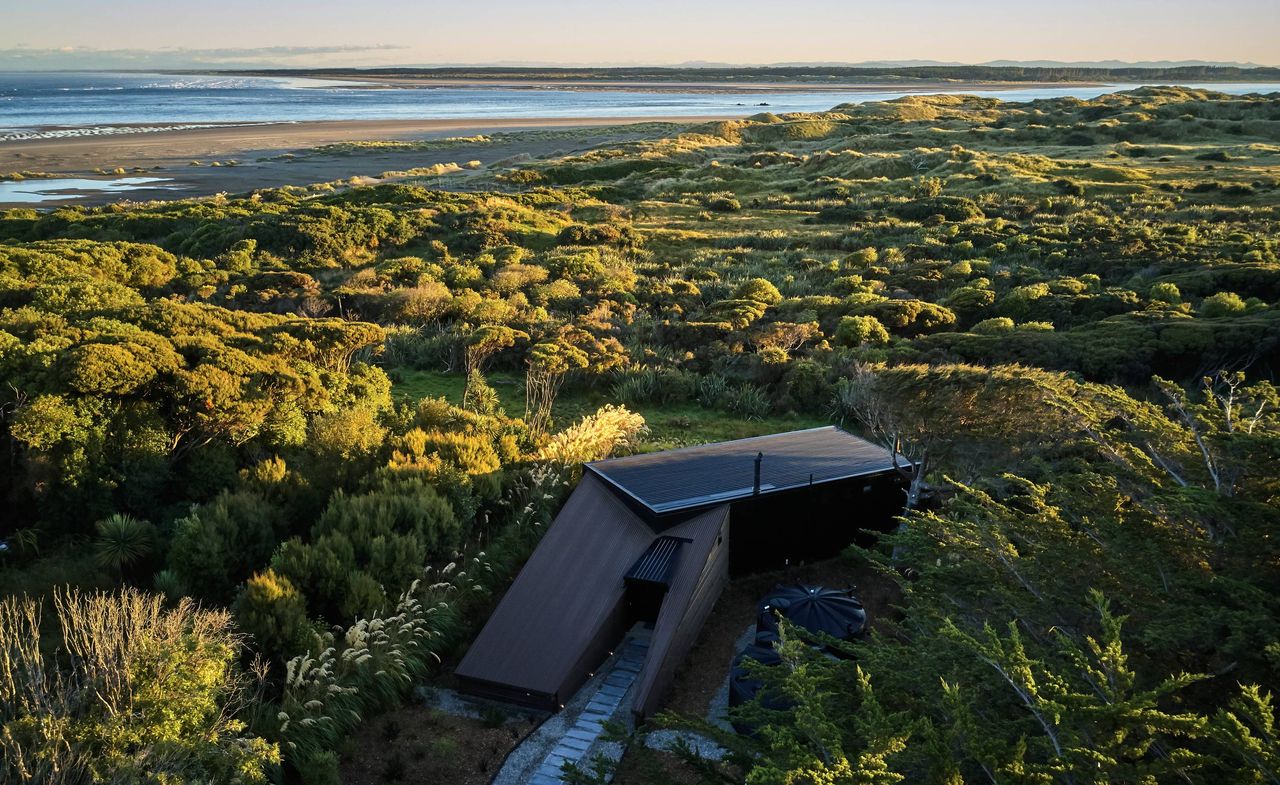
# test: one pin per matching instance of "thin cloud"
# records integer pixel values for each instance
(88, 57)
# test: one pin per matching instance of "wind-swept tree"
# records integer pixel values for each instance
(1222, 425)
(961, 416)
(549, 361)
(481, 347)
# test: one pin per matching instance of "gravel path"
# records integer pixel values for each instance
(459, 705)
(717, 714)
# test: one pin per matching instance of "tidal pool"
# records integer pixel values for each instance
(64, 188)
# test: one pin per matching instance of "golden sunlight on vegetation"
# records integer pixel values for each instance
(340, 419)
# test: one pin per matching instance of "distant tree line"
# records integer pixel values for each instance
(820, 74)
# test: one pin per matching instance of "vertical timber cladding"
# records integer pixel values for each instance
(812, 523)
(699, 579)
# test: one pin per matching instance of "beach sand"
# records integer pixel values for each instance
(259, 151)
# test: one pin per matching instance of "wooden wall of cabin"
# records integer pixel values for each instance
(812, 523)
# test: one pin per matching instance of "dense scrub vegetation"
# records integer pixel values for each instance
(1065, 311)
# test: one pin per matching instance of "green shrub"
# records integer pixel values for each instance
(222, 543)
(272, 612)
(1165, 292)
(722, 203)
(600, 234)
(1069, 187)
(151, 696)
(807, 387)
(748, 402)
(713, 391)
(637, 387)
(995, 326)
(1221, 304)
(760, 290)
(649, 385)
(951, 208)
(123, 541)
(859, 330)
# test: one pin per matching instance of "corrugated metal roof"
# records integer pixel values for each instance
(713, 473)
(564, 596)
(656, 564)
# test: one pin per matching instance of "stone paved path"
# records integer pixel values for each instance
(585, 730)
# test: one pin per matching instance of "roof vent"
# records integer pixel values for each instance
(657, 564)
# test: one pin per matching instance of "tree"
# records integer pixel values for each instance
(961, 416)
(1247, 727)
(549, 361)
(1224, 429)
(834, 728)
(1095, 722)
(481, 346)
(787, 336)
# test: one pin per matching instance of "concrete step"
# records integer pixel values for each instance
(581, 745)
(563, 753)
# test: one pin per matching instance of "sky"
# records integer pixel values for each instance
(310, 33)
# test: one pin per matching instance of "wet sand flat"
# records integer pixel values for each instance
(261, 160)
(375, 81)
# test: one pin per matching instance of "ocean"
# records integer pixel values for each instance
(44, 104)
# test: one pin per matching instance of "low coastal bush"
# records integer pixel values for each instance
(610, 430)
(329, 691)
(152, 694)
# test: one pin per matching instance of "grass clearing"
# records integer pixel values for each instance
(670, 426)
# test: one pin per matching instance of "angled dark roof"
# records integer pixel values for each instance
(563, 601)
(693, 477)
(567, 608)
